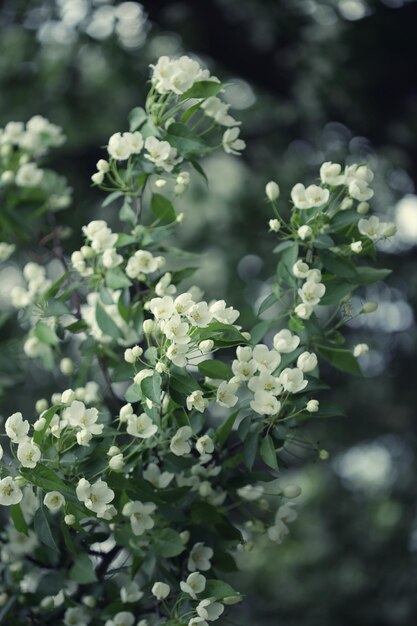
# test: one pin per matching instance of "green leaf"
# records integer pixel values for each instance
(187, 143)
(323, 241)
(183, 382)
(219, 590)
(369, 275)
(124, 239)
(127, 214)
(55, 308)
(38, 435)
(53, 290)
(18, 520)
(151, 388)
(46, 479)
(117, 279)
(215, 369)
(162, 208)
(83, 571)
(337, 265)
(111, 198)
(43, 529)
(284, 245)
(222, 433)
(137, 117)
(202, 89)
(133, 393)
(46, 334)
(342, 360)
(250, 448)
(268, 453)
(167, 542)
(335, 292)
(343, 219)
(106, 324)
(267, 303)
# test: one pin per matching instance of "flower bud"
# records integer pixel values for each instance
(97, 178)
(102, 166)
(20, 481)
(41, 405)
(324, 455)
(360, 349)
(129, 357)
(66, 366)
(39, 424)
(148, 327)
(89, 601)
(70, 520)
(68, 396)
(116, 462)
(161, 590)
(291, 491)
(346, 204)
(47, 603)
(160, 367)
(185, 536)
(87, 252)
(356, 247)
(125, 411)
(113, 450)
(161, 182)
(272, 191)
(312, 406)
(7, 177)
(369, 307)
(206, 346)
(274, 225)
(362, 208)
(304, 232)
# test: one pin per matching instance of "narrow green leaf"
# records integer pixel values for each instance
(38, 435)
(18, 520)
(202, 89)
(250, 449)
(222, 433)
(267, 303)
(219, 590)
(111, 198)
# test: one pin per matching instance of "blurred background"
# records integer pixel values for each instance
(312, 80)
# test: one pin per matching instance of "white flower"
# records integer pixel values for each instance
(284, 341)
(76, 616)
(218, 110)
(286, 513)
(111, 259)
(274, 225)
(131, 593)
(199, 558)
(300, 269)
(102, 166)
(312, 406)
(304, 232)
(158, 479)
(356, 247)
(251, 492)
(162, 308)
(209, 609)
(265, 358)
(139, 514)
(123, 618)
(331, 174)
(311, 292)
(307, 198)
(28, 454)
(278, 532)
(231, 142)
(176, 330)
(265, 403)
(28, 175)
(142, 262)
(10, 492)
(141, 426)
(195, 583)
(272, 191)
(374, 229)
(292, 380)
(95, 497)
(303, 311)
(265, 382)
(161, 153)
(199, 315)
(205, 445)
(359, 190)
(243, 370)
(183, 302)
(163, 287)
(6, 250)
(360, 349)
(226, 394)
(177, 354)
(307, 361)
(196, 401)
(78, 416)
(161, 590)
(180, 444)
(17, 428)
(223, 314)
(119, 147)
(54, 501)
